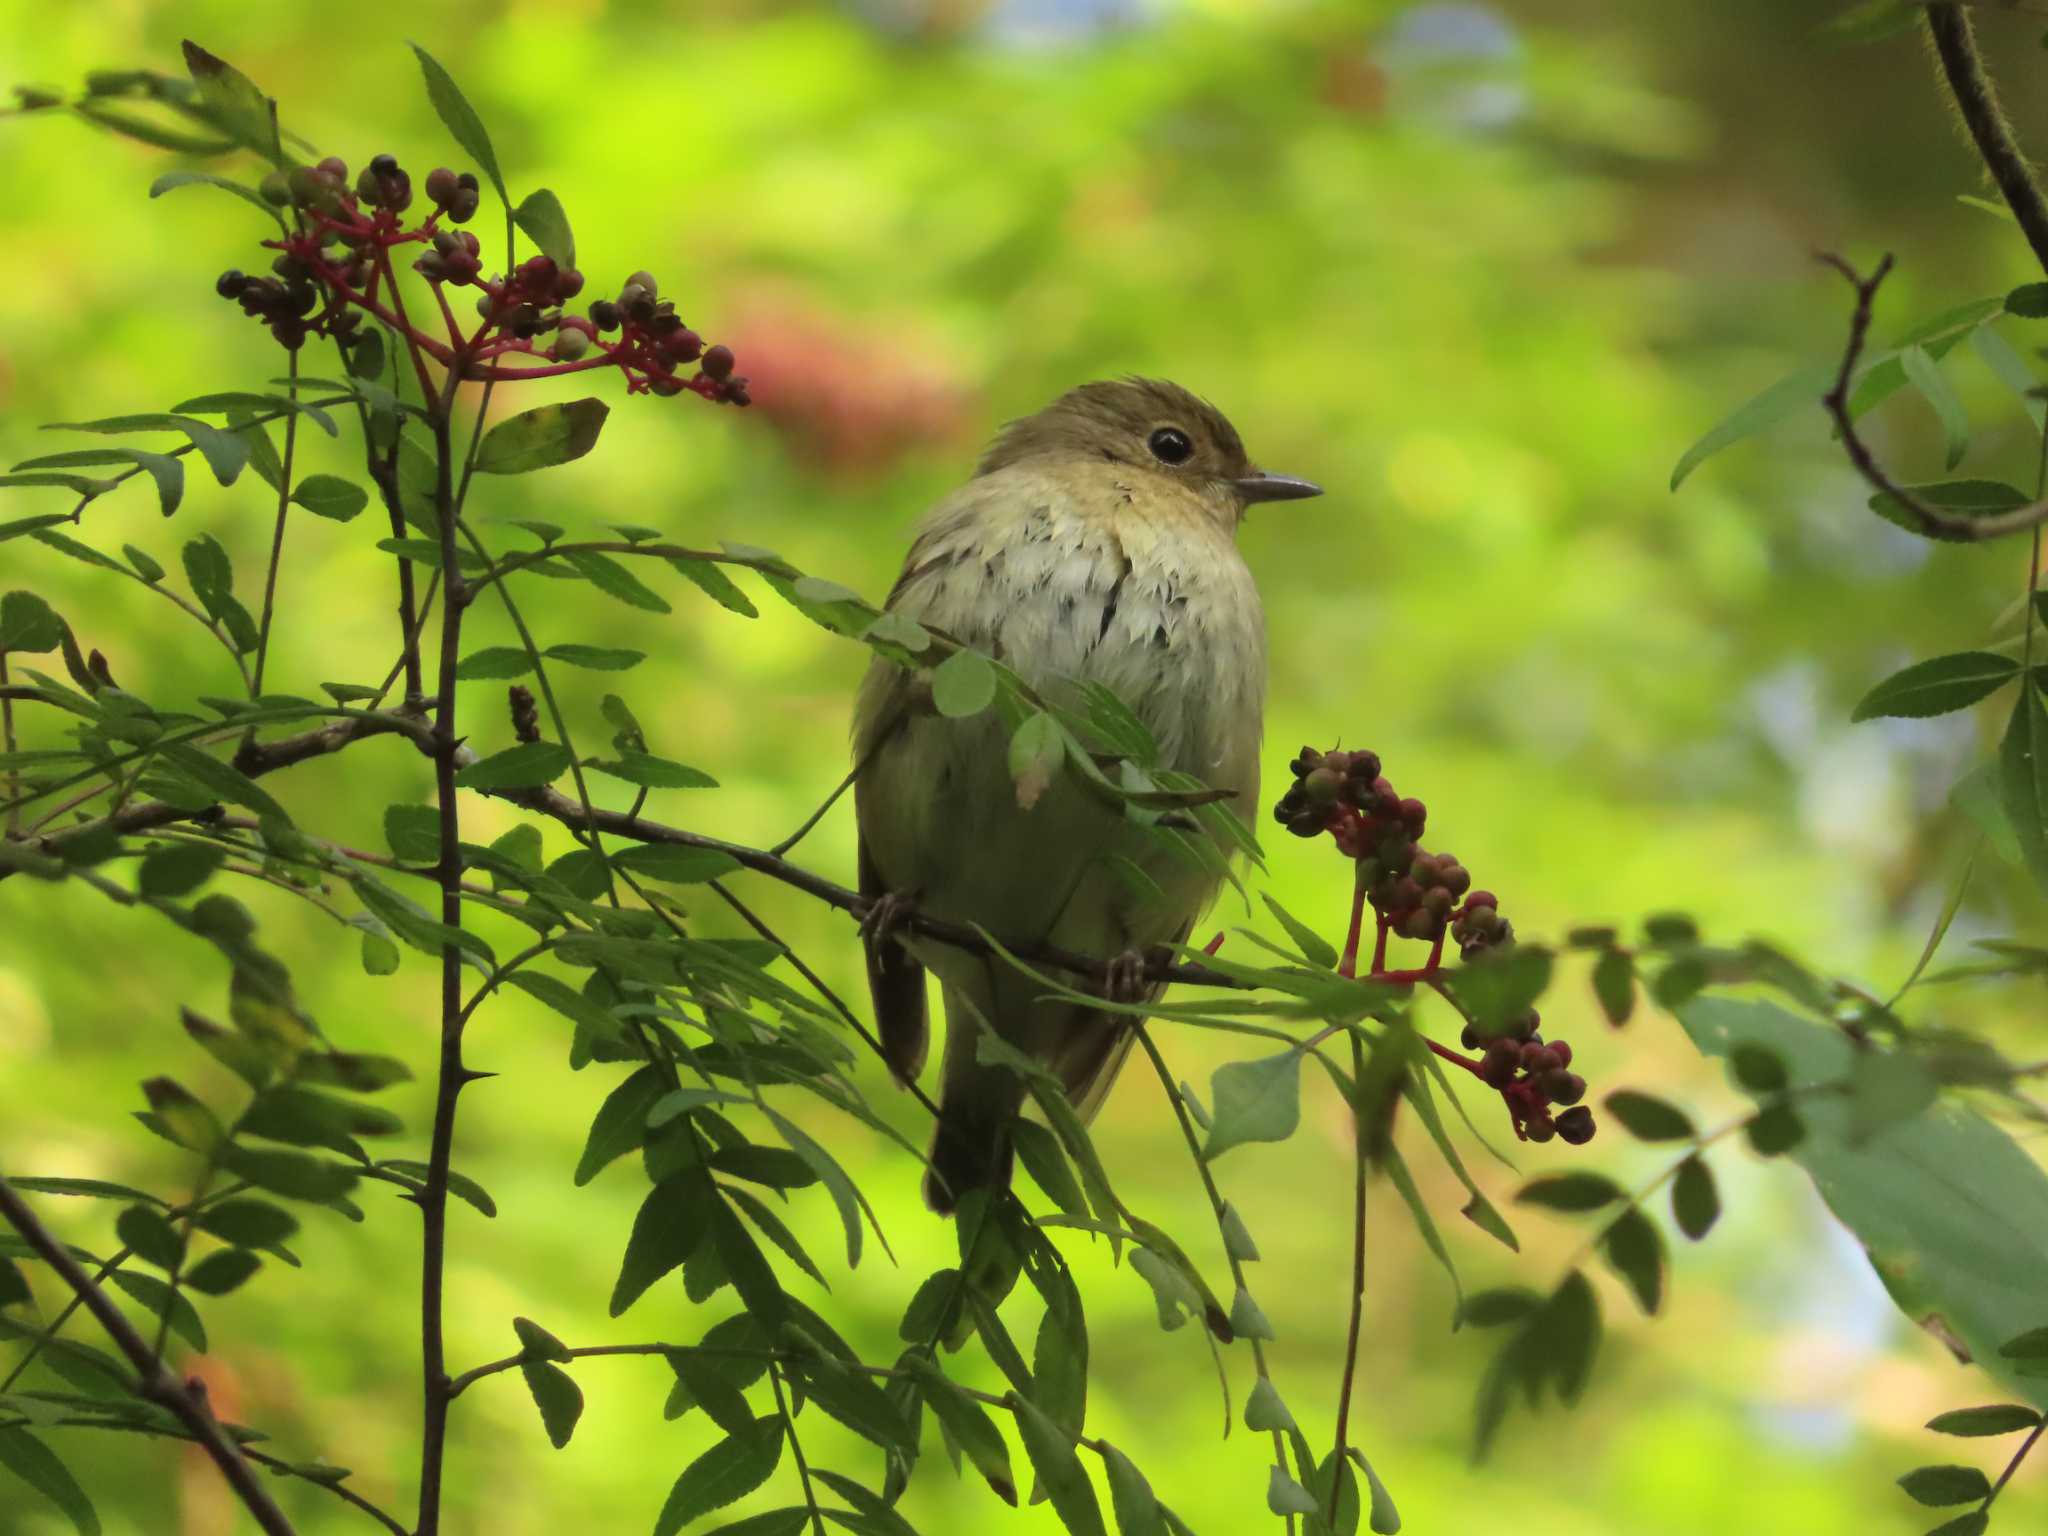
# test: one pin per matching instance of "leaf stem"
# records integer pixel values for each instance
(284, 502)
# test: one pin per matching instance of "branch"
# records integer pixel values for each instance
(1955, 44)
(552, 802)
(186, 1400)
(1934, 522)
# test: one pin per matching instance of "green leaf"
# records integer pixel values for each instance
(855, 1401)
(1634, 1247)
(171, 180)
(1037, 748)
(621, 1123)
(1059, 1469)
(27, 623)
(1970, 498)
(236, 106)
(144, 1231)
(1758, 1068)
(225, 452)
(1314, 947)
(1254, 1101)
(494, 661)
(219, 1273)
(1938, 1486)
(969, 1425)
(544, 436)
(594, 657)
(1997, 1419)
(1237, 1240)
(2029, 301)
(1614, 985)
(1803, 390)
(331, 497)
(2031, 1345)
(1491, 1309)
(1975, 1523)
(1938, 687)
(35, 1464)
(178, 869)
(461, 120)
(1570, 1191)
(1287, 1498)
(1130, 1496)
(413, 833)
(526, 766)
(1383, 1518)
(613, 579)
(836, 1182)
(547, 226)
(1695, 1203)
(716, 585)
(247, 1223)
(166, 471)
(674, 864)
(221, 779)
(2023, 774)
(164, 1302)
(730, 1470)
(14, 1291)
(294, 1175)
(1647, 1118)
(1264, 1410)
(673, 1220)
(557, 1396)
(1926, 376)
(1886, 1087)
(1951, 1211)
(652, 772)
(963, 684)
(1038, 1149)
(94, 1189)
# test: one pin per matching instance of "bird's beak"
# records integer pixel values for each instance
(1263, 487)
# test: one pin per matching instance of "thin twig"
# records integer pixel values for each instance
(1351, 1332)
(803, 1468)
(186, 1400)
(284, 505)
(1933, 521)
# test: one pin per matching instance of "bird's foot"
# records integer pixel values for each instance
(884, 915)
(1124, 981)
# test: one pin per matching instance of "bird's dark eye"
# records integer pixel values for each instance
(1170, 445)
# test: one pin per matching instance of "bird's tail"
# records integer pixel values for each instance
(968, 1153)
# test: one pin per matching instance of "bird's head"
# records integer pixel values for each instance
(1153, 428)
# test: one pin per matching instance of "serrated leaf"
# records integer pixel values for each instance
(1938, 687)
(165, 1303)
(1059, 1469)
(542, 437)
(969, 1425)
(172, 180)
(621, 1123)
(1314, 947)
(247, 1223)
(494, 661)
(730, 1470)
(716, 585)
(673, 1220)
(1136, 1507)
(557, 1396)
(526, 766)
(236, 105)
(145, 1233)
(651, 772)
(596, 658)
(461, 120)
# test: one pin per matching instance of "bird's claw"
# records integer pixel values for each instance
(1124, 979)
(883, 916)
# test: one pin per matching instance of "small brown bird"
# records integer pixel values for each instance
(1096, 542)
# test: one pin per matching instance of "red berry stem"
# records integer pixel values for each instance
(1348, 965)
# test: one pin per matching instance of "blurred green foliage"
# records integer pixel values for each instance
(1483, 281)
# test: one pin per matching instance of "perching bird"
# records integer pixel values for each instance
(1096, 541)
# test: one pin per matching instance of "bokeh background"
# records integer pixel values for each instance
(1482, 270)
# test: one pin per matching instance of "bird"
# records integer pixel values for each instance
(1096, 543)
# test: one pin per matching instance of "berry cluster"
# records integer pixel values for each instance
(338, 264)
(1416, 894)
(1533, 1074)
